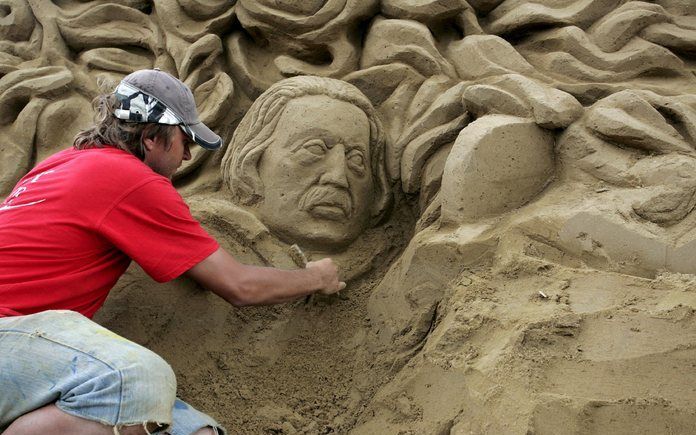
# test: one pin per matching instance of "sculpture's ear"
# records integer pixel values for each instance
(247, 186)
(240, 165)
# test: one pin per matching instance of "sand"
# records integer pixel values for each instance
(528, 266)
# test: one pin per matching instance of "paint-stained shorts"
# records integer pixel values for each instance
(88, 371)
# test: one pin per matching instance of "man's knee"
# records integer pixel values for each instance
(98, 375)
(136, 386)
(149, 379)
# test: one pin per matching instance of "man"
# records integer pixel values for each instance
(70, 228)
(308, 158)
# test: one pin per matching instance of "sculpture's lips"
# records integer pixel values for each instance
(329, 211)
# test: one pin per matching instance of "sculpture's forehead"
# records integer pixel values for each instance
(319, 113)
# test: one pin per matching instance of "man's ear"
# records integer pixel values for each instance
(149, 143)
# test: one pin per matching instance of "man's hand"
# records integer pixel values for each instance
(328, 274)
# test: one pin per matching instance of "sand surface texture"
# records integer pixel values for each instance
(508, 187)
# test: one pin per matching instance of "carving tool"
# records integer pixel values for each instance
(298, 256)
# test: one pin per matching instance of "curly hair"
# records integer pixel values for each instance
(109, 131)
(252, 137)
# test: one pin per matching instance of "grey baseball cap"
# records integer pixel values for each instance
(151, 95)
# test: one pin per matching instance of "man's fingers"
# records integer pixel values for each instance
(331, 282)
(335, 289)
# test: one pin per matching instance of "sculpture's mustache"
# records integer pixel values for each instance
(327, 196)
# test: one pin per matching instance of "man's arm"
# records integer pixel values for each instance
(241, 284)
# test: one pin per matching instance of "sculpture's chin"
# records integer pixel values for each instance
(322, 235)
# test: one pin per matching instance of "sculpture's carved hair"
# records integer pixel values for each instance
(252, 137)
(109, 131)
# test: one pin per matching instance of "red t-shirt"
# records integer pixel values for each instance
(71, 226)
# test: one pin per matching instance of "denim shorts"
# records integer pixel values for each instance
(62, 357)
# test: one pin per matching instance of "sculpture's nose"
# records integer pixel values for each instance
(335, 170)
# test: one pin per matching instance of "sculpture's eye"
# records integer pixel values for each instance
(315, 146)
(356, 161)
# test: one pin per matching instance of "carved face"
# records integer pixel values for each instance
(316, 174)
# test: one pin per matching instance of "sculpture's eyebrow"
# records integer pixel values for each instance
(303, 136)
(297, 144)
(319, 133)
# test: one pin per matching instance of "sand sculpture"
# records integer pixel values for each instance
(508, 186)
(310, 152)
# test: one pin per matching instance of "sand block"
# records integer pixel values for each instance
(24, 95)
(513, 94)
(681, 257)
(436, 126)
(487, 99)
(421, 10)
(604, 236)
(479, 56)
(404, 41)
(629, 248)
(562, 414)
(21, 85)
(431, 178)
(618, 27)
(570, 55)
(671, 35)
(404, 303)
(497, 164)
(629, 119)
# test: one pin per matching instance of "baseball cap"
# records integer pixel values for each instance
(151, 95)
